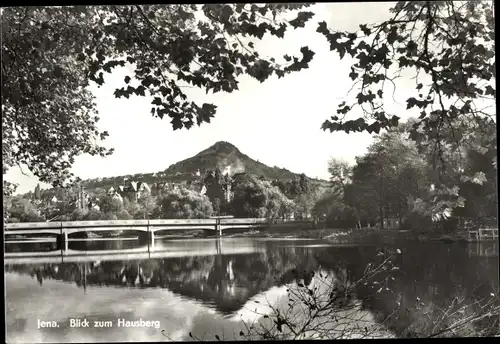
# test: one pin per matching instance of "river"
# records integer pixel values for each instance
(206, 287)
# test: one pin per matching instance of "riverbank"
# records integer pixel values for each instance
(334, 235)
(358, 235)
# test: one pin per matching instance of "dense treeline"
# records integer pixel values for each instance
(176, 203)
(397, 180)
(242, 195)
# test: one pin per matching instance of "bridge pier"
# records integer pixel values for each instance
(62, 241)
(147, 238)
(151, 240)
(218, 247)
(218, 228)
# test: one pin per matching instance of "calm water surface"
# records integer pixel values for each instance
(207, 286)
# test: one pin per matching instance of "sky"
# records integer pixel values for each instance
(276, 122)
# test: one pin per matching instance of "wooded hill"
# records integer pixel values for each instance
(221, 155)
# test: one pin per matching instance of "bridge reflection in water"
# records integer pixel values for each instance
(164, 249)
(482, 249)
(146, 230)
(132, 267)
(224, 272)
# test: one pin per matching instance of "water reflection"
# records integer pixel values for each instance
(223, 282)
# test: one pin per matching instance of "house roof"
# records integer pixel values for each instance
(130, 186)
(143, 185)
(133, 185)
(198, 187)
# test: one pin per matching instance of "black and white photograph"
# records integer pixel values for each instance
(249, 171)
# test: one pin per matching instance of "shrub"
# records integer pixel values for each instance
(185, 204)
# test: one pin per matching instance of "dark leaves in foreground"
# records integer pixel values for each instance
(448, 49)
(50, 54)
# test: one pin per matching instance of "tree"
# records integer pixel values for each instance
(108, 216)
(216, 204)
(282, 185)
(108, 204)
(25, 210)
(45, 75)
(388, 177)
(98, 193)
(295, 188)
(306, 201)
(185, 204)
(471, 170)
(37, 191)
(304, 184)
(59, 210)
(481, 191)
(147, 204)
(337, 213)
(8, 196)
(133, 209)
(399, 177)
(62, 193)
(335, 201)
(41, 75)
(278, 205)
(123, 215)
(256, 198)
(93, 215)
(340, 175)
(216, 186)
(78, 214)
(448, 46)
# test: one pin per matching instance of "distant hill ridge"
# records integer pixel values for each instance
(223, 155)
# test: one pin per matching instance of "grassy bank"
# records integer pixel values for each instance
(390, 236)
(356, 235)
(335, 235)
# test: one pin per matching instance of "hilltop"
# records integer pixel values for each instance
(223, 155)
(230, 160)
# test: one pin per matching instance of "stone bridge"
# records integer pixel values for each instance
(148, 227)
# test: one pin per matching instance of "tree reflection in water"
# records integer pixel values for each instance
(429, 276)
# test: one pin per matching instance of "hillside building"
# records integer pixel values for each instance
(199, 188)
(131, 190)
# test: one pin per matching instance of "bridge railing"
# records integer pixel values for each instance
(483, 233)
(32, 225)
(106, 223)
(132, 223)
(169, 222)
(143, 225)
(75, 224)
(243, 221)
